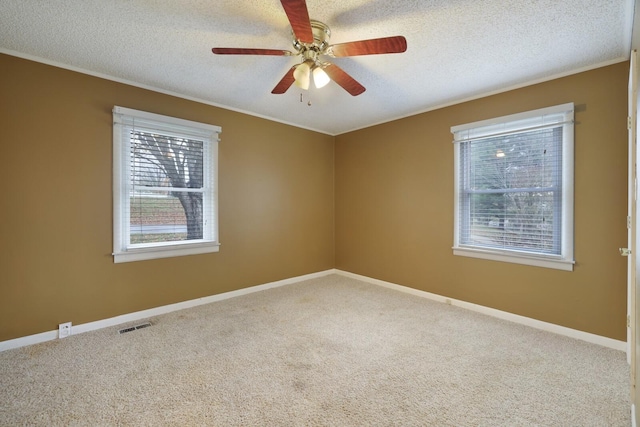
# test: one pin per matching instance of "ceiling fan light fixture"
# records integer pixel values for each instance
(320, 77)
(311, 42)
(302, 75)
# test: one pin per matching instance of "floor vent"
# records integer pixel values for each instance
(133, 328)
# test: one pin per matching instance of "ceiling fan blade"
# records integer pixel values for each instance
(286, 82)
(347, 82)
(395, 44)
(240, 51)
(298, 15)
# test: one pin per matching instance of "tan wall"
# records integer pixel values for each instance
(394, 207)
(276, 203)
(393, 213)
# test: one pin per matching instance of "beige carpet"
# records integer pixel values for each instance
(325, 352)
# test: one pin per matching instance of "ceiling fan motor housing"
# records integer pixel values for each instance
(321, 37)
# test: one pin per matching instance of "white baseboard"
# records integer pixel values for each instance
(527, 321)
(28, 340)
(144, 314)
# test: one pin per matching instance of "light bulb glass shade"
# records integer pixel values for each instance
(320, 78)
(302, 74)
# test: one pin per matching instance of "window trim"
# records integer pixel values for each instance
(484, 128)
(122, 118)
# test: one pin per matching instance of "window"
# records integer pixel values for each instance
(514, 188)
(164, 186)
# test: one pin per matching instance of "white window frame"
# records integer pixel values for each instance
(536, 119)
(126, 119)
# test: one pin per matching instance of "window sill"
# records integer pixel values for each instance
(516, 258)
(142, 254)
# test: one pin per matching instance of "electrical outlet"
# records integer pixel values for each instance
(64, 330)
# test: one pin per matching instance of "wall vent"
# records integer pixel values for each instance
(133, 328)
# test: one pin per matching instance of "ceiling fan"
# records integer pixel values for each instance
(311, 41)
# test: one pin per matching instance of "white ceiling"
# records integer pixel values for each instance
(457, 49)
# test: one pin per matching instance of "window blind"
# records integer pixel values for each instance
(511, 192)
(165, 186)
(514, 184)
(168, 188)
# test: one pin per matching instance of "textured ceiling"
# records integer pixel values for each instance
(457, 49)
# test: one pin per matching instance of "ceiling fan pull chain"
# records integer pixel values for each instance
(302, 100)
